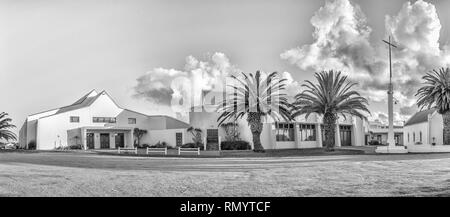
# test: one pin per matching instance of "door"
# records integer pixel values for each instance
(397, 139)
(346, 135)
(90, 140)
(120, 140)
(104, 140)
(179, 139)
(212, 139)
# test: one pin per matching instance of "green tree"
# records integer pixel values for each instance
(138, 133)
(196, 135)
(330, 97)
(5, 127)
(435, 93)
(257, 98)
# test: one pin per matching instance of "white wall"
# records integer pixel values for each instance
(208, 120)
(436, 124)
(167, 136)
(415, 128)
(57, 130)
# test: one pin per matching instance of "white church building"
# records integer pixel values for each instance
(301, 133)
(423, 132)
(96, 121)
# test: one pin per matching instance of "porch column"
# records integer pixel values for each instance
(319, 135)
(83, 138)
(97, 140)
(130, 141)
(297, 138)
(112, 140)
(337, 140)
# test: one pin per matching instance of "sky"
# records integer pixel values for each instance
(52, 52)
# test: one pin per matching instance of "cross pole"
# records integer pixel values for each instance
(391, 135)
(390, 61)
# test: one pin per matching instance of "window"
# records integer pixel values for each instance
(414, 137)
(408, 137)
(131, 120)
(307, 132)
(74, 119)
(420, 136)
(284, 132)
(103, 120)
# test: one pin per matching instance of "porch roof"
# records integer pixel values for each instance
(107, 128)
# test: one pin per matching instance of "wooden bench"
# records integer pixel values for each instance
(127, 150)
(157, 150)
(189, 150)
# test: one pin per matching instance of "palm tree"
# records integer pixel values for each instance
(436, 93)
(330, 97)
(196, 135)
(257, 98)
(5, 127)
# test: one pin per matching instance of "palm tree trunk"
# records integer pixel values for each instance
(254, 120)
(329, 122)
(446, 119)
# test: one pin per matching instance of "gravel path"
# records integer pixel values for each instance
(78, 174)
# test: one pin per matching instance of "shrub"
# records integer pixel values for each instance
(374, 142)
(32, 145)
(192, 145)
(74, 147)
(145, 146)
(235, 145)
(161, 145)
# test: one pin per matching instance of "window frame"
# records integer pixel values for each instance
(307, 130)
(109, 120)
(285, 129)
(71, 119)
(134, 120)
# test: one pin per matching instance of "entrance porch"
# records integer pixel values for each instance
(106, 137)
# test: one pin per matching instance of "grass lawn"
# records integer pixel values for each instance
(78, 174)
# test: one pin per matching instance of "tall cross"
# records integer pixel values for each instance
(390, 61)
(391, 135)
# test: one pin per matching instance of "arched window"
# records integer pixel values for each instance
(420, 136)
(414, 137)
(408, 137)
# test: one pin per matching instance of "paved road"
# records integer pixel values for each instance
(88, 160)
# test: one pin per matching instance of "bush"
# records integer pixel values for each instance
(159, 145)
(32, 145)
(192, 145)
(75, 147)
(144, 146)
(235, 145)
(374, 142)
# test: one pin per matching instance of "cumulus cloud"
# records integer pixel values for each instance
(166, 86)
(382, 117)
(342, 42)
(181, 89)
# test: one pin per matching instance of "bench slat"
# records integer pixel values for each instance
(163, 150)
(180, 150)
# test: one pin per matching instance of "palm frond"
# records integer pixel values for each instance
(331, 94)
(435, 92)
(5, 127)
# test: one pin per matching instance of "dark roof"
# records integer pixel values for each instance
(87, 100)
(419, 117)
(83, 102)
(171, 122)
